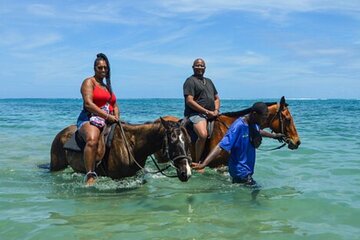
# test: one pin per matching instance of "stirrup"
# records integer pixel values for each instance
(90, 173)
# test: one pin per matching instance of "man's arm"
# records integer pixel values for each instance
(217, 105)
(194, 105)
(212, 155)
(277, 136)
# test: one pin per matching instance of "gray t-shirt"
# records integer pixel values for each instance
(203, 91)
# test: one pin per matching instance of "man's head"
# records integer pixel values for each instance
(199, 67)
(259, 113)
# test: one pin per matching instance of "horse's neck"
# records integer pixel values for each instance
(147, 138)
(230, 119)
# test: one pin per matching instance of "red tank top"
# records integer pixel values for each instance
(101, 96)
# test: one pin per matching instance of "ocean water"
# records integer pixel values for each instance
(309, 193)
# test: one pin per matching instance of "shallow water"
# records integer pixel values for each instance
(309, 193)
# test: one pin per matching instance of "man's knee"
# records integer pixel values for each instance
(202, 135)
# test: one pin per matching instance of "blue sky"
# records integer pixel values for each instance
(253, 49)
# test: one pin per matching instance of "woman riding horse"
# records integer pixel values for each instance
(130, 147)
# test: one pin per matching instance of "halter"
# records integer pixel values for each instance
(172, 161)
(285, 139)
(278, 113)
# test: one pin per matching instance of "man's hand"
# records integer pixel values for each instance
(198, 167)
(279, 136)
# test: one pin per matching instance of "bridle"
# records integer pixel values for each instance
(282, 131)
(172, 160)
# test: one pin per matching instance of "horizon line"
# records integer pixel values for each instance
(139, 98)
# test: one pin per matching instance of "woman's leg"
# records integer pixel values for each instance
(91, 135)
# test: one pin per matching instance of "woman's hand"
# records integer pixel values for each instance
(112, 118)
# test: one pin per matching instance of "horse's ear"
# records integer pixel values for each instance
(183, 122)
(282, 100)
(164, 123)
(282, 103)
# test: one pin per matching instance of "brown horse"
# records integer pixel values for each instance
(279, 121)
(131, 146)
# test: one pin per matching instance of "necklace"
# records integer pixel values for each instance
(203, 81)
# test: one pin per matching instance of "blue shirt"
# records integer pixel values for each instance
(242, 152)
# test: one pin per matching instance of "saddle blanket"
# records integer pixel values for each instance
(77, 143)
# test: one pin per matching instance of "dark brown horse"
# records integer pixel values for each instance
(131, 146)
(279, 121)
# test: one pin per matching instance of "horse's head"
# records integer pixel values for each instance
(177, 148)
(281, 121)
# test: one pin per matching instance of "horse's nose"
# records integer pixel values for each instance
(184, 177)
(294, 145)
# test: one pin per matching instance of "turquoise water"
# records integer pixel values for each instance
(309, 193)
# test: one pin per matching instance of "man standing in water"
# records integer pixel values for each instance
(241, 140)
(201, 103)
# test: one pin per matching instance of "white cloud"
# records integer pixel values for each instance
(16, 41)
(322, 52)
(41, 10)
(85, 12)
(260, 6)
(249, 58)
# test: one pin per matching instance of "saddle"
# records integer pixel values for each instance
(190, 128)
(76, 142)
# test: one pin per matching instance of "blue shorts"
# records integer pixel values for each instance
(82, 119)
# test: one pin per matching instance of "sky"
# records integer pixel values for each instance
(253, 49)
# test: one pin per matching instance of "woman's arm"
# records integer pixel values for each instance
(116, 112)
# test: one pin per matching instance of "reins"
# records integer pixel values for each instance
(162, 170)
(128, 148)
(278, 113)
(275, 148)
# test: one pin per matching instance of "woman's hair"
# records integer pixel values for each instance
(101, 56)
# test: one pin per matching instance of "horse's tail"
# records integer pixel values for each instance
(57, 153)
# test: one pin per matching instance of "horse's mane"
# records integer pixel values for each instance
(137, 124)
(244, 111)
